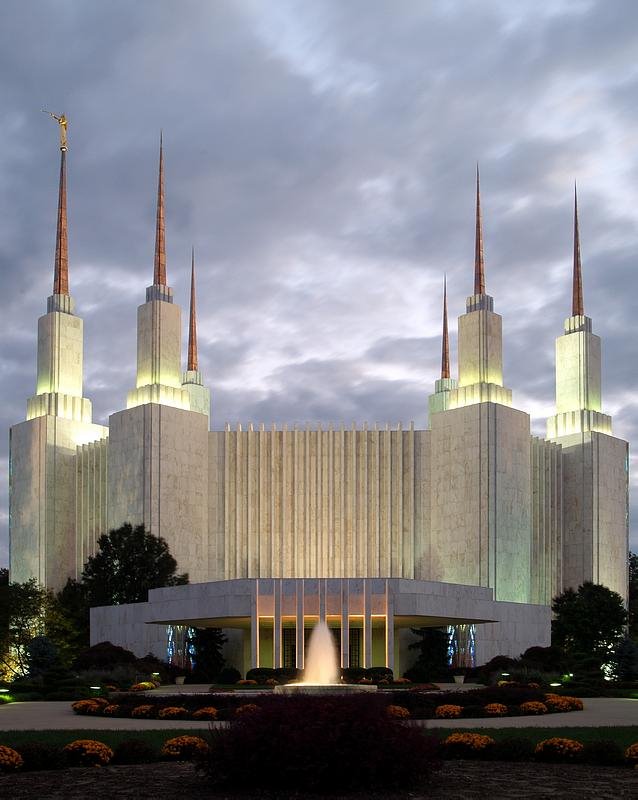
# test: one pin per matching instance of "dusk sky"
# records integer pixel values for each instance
(320, 157)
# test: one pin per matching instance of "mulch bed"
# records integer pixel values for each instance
(458, 780)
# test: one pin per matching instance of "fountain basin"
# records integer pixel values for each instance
(324, 688)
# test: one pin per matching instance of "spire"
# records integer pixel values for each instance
(61, 266)
(445, 348)
(159, 274)
(479, 260)
(577, 282)
(192, 325)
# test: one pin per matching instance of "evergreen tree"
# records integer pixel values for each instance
(207, 646)
(432, 660)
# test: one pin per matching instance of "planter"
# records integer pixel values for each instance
(459, 679)
(180, 680)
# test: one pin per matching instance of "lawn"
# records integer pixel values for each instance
(156, 738)
(623, 736)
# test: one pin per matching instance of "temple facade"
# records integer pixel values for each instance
(473, 503)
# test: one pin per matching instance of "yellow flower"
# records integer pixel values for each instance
(88, 752)
(10, 759)
(631, 753)
(447, 711)
(208, 712)
(473, 741)
(495, 710)
(143, 711)
(533, 707)
(172, 712)
(184, 747)
(399, 712)
(558, 747)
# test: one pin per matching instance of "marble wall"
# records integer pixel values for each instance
(158, 475)
(318, 503)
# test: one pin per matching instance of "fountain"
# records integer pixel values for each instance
(322, 668)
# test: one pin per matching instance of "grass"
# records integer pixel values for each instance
(156, 738)
(623, 736)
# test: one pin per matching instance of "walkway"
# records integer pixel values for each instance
(599, 711)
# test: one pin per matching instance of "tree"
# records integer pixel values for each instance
(588, 622)
(633, 596)
(42, 656)
(432, 660)
(209, 661)
(22, 617)
(128, 563)
(626, 660)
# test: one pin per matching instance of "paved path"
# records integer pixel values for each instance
(50, 715)
(598, 712)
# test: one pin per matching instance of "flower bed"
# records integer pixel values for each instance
(459, 744)
(492, 701)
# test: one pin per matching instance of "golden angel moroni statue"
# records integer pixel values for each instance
(62, 122)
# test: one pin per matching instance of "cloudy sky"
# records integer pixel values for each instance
(320, 157)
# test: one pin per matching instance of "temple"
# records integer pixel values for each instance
(472, 524)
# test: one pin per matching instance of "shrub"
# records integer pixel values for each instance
(473, 712)
(377, 674)
(208, 712)
(260, 674)
(145, 711)
(87, 753)
(184, 748)
(467, 745)
(90, 706)
(606, 753)
(229, 675)
(402, 680)
(631, 754)
(111, 710)
(247, 682)
(447, 711)
(556, 703)
(495, 710)
(247, 709)
(143, 686)
(319, 744)
(135, 751)
(172, 712)
(399, 712)
(575, 703)
(514, 749)
(558, 749)
(10, 759)
(103, 656)
(37, 755)
(533, 707)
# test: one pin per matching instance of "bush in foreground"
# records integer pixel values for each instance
(135, 751)
(37, 756)
(315, 744)
(10, 759)
(87, 753)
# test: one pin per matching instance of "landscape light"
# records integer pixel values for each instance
(4, 691)
(95, 687)
(505, 674)
(554, 684)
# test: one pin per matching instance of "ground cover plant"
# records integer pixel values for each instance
(315, 744)
(419, 703)
(47, 750)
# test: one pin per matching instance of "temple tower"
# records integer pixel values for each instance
(42, 523)
(595, 463)
(199, 395)
(158, 446)
(480, 454)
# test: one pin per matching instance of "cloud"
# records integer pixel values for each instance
(320, 158)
